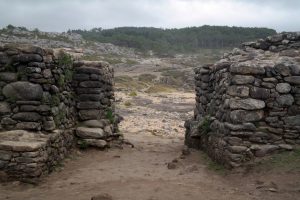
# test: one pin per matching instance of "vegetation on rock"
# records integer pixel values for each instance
(170, 41)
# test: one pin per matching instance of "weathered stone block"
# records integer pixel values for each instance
(90, 114)
(285, 100)
(8, 76)
(26, 58)
(91, 84)
(293, 80)
(98, 143)
(28, 126)
(23, 91)
(247, 68)
(88, 105)
(90, 133)
(90, 97)
(292, 120)
(238, 91)
(4, 108)
(27, 116)
(283, 88)
(259, 93)
(246, 116)
(241, 80)
(247, 104)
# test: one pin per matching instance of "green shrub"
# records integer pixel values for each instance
(131, 62)
(133, 94)
(65, 60)
(146, 77)
(60, 117)
(204, 126)
(110, 116)
(127, 103)
(68, 75)
(9, 67)
(82, 144)
(61, 80)
(55, 100)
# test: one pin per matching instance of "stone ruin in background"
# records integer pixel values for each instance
(248, 103)
(48, 103)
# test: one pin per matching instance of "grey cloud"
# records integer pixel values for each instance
(60, 15)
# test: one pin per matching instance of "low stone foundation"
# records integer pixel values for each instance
(28, 155)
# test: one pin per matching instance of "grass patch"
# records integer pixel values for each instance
(160, 89)
(131, 62)
(204, 126)
(61, 80)
(287, 160)
(93, 57)
(127, 103)
(146, 77)
(112, 61)
(82, 144)
(68, 75)
(65, 60)
(132, 94)
(128, 82)
(110, 116)
(212, 165)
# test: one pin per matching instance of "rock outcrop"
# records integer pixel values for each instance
(248, 103)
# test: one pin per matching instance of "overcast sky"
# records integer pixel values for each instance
(61, 15)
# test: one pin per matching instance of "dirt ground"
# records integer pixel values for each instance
(155, 168)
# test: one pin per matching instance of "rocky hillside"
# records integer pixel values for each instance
(74, 41)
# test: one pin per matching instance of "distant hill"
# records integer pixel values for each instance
(170, 41)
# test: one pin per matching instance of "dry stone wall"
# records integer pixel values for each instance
(47, 104)
(248, 103)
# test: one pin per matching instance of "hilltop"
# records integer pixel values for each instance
(174, 41)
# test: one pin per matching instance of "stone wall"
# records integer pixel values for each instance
(248, 103)
(26, 155)
(46, 95)
(36, 92)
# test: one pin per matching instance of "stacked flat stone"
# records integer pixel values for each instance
(44, 95)
(95, 96)
(36, 95)
(26, 156)
(252, 100)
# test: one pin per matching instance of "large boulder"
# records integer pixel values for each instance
(23, 90)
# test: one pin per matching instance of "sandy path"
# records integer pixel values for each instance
(141, 173)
